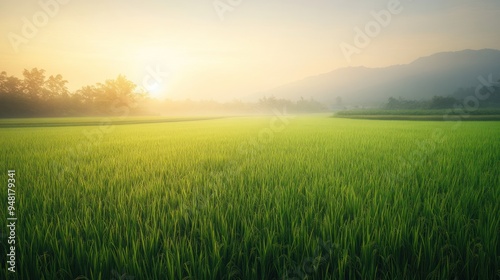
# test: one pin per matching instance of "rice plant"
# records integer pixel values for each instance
(233, 198)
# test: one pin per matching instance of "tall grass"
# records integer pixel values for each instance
(323, 199)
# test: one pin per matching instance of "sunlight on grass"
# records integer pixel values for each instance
(324, 198)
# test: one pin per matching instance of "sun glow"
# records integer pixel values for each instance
(156, 66)
(157, 90)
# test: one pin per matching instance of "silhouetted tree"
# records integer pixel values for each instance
(33, 83)
(10, 85)
(55, 87)
(12, 99)
(112, 93)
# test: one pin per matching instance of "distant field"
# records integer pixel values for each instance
(93, 121)
(422, 117)
(428, 115)
(309, 197)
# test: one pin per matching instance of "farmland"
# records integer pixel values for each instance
(454, 115)
(270, 197)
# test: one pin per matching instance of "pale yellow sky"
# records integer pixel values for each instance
(189, 49)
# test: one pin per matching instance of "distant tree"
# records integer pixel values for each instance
(393, 103)
(55, 87)
(33, 83)
(112, 94)
(338, 101)
(441, 102)
(11, 86)
(404, 104)
(86, 95)
(12, 100)
(308, 106)
(268, 104)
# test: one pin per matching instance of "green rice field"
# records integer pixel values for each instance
(272, 197)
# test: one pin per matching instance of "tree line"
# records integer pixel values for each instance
(36, 95)
(265, 105)
(490, 98)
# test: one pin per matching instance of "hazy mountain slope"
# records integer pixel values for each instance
(438, 74)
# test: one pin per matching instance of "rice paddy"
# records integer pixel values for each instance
(304, 197)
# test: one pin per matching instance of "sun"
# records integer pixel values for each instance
(155, 90)
(155, 69)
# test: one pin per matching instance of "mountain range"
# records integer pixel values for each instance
(439, 74)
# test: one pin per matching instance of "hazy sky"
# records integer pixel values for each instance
(230, 49)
